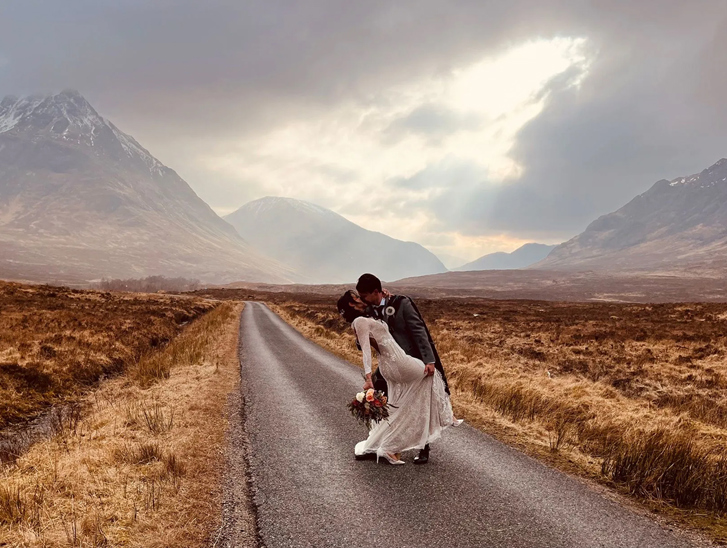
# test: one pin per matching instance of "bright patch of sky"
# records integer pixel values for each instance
(381, 160)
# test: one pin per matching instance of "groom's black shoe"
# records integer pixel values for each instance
(365, 456)
(423, 456)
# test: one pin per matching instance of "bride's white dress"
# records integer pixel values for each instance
(420, 407)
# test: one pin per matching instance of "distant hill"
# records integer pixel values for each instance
(677, 226)
(522, 257)
(81, 200)
(324, 247)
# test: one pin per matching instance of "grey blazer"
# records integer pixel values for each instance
(408, 328)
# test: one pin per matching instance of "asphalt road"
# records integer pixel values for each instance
(475, 491)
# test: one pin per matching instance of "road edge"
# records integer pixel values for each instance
(239, 523)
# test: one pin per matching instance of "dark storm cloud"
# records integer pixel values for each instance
(652, 107)
(208, 63)
(184, 75)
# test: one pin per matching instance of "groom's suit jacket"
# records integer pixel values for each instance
(410, 331)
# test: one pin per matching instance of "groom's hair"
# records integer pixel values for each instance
(368, 283)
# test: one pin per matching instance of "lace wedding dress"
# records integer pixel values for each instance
(420, 408)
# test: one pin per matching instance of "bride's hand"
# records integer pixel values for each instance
(368, 384)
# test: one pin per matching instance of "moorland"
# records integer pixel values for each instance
(55, 341)
(134, 388)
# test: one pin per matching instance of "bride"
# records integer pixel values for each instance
(420, 407)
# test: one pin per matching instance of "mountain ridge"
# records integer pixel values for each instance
(522, 257)
(676, 225)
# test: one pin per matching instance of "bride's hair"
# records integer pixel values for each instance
(345, 307)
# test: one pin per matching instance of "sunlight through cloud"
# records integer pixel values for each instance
(411, 142)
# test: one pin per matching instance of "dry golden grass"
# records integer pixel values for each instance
(631, 394)
(142, 465)
(54, 342)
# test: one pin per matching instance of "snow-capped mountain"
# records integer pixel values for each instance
(522, 257)
(80, 199)
(675, 226)
(325, 247)
(69, 118)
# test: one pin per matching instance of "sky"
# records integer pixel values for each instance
(468, 126)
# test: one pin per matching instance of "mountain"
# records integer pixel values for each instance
(675, 226)
(324, 246)
(522, 257)
(80, 199)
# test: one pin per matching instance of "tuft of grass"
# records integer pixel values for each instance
(13, 505)
(153, 415)
(152, 369)
(175, 469)
(65, 419)
(143, 453)
(156, 419)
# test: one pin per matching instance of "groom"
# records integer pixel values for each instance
(407, 327)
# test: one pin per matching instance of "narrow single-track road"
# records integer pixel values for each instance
(475, 491)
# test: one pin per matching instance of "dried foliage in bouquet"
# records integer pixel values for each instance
(369, 407)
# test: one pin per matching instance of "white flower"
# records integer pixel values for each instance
(360, 396)
(390, 311)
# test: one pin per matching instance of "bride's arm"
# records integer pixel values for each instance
(362, 329)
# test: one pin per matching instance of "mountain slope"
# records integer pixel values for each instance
(678, 225)
(79, 199)
(522, 257)
(324, 246)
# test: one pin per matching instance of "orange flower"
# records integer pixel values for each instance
(370, 395)
(383, 400)
(377, 403)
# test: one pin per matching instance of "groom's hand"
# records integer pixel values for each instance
(429, 370)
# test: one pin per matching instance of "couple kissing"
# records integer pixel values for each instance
(410, 372)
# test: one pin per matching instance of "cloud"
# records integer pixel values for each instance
(461, 125)
(450, 175)
(434, 122)
(648, 109)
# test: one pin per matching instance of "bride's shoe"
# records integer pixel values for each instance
(394, 459)
(457, 422)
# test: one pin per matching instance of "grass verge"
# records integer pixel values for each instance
(144, 462)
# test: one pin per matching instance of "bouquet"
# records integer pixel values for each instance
(369, 407)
